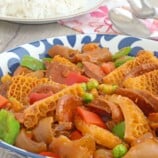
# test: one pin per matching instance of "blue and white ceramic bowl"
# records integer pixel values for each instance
(10, 60)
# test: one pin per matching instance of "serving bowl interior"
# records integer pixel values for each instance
(10, 60)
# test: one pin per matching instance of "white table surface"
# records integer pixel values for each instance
(12, 34)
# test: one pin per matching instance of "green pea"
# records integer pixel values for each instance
(84, 86)
(122, 52)
(91, 84)
(88, 97)
(80, 65)
(119, 151)
(107, 89)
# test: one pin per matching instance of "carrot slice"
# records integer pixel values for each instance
(3, 101)
(108, 67)
(75, 135)
(90, 117)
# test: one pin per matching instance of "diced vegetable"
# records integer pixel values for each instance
(75, 78)
(15, 104)
(108, 67)
(47, 59)
(122, 52)
(84, 86)
(75, 135)
(87, 97)
(80, 65)
(32, 63)
(119, 151)
(90, 117)
(6, 78)
(38, 96)
(91, 84)
(3, 101)
(49, 154)
(107, 89)
(119, 129)
(123, 60)
(94, 92)
(9, 127)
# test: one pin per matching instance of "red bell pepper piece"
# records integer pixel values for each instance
(49, 154)
(34, 96)
(90, 117)
(75, 78)
(3, 101)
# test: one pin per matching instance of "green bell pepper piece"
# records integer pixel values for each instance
(122, 52)
(123, 60)
(32, 63)
(47, 59)
(9, 127)
(119, 129)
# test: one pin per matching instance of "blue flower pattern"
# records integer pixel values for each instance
(113, 42)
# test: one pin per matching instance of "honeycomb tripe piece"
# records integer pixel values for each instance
(21, 86)
(136, 124)
(147, 82)
(38, 110)
(63, 60)
(118, 75)
(15, 105)
(101, 136)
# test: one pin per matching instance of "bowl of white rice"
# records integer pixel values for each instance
(44, 11)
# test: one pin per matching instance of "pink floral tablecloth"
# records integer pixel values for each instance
(98, 21)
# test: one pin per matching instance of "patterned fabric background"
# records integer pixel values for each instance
(98, 21)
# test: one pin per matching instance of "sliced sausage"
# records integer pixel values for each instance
(93, 71)
(101, 103)
(97, 56)
(147, 102)
(64, 52)
(58, 71)
(21, 70)
(141, 69)
(46, 88)
(66, 107)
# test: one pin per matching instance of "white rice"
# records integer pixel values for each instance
(38, 9)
